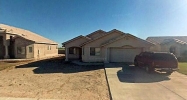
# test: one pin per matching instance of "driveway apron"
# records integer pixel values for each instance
(128, 82)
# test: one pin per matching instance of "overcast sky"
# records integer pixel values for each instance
(61, 20)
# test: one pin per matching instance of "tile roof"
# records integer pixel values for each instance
(95, 32)
(107, 33)
(171, 40)
(161, 39)
(125, 35)
(26, 34)
(80, 36)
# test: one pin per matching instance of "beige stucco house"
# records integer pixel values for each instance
(22, 44)
(174, 44)
(101, 46)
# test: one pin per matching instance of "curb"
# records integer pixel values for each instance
(108, 85)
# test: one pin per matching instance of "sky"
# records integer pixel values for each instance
(61, 20)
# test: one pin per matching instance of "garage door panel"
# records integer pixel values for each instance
(123, 55)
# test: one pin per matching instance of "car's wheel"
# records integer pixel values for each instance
(148, 69)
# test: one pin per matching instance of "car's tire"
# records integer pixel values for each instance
(148, 69)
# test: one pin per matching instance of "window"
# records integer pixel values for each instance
(30, 49)
(20, 50)
(95, 51)
(49, 47)
(71, 50)
(38, 52)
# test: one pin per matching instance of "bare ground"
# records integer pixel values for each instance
(52, 79)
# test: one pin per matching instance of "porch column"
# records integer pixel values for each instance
(106, 56)
(66, 54)
(6, 51)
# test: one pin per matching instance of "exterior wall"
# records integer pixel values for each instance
(97, 43)
(128, 41)
(105, 51)
(75, 43)
(179, 48)
(4, 44)
(20, 42)
(155, 48)
(77, 55)
(88, 58)
(41, 50)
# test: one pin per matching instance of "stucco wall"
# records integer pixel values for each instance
(155, 48)
(180, 48)
(88, 58)
(97, 43)
(105, 51)
(75, 43)
(75, 56)
(129, 41)
(20, 42)
(41, 50)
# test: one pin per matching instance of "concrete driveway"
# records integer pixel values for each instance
(127, 82)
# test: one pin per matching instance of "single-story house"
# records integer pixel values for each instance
(23, 44)
(101, 46)
(174, 44)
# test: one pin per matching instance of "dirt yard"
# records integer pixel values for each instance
(53, 79)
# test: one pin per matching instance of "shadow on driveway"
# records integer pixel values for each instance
(57, 65)
(132, 74)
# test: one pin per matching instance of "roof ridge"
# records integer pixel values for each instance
(75, 38)
(95, 32)
(99, 37)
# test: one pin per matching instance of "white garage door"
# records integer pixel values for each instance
(123, 55)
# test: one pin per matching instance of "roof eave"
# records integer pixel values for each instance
(78, 37)
(114, 30)
(127, 34)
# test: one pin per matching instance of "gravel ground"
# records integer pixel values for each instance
(53, 79)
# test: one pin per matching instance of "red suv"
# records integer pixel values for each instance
(157, 60)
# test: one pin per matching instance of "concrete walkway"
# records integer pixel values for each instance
(130, 83)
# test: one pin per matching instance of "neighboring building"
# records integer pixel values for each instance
(23, 44)
(174, 44)
(101, 46)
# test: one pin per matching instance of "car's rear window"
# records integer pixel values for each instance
(162, 56)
